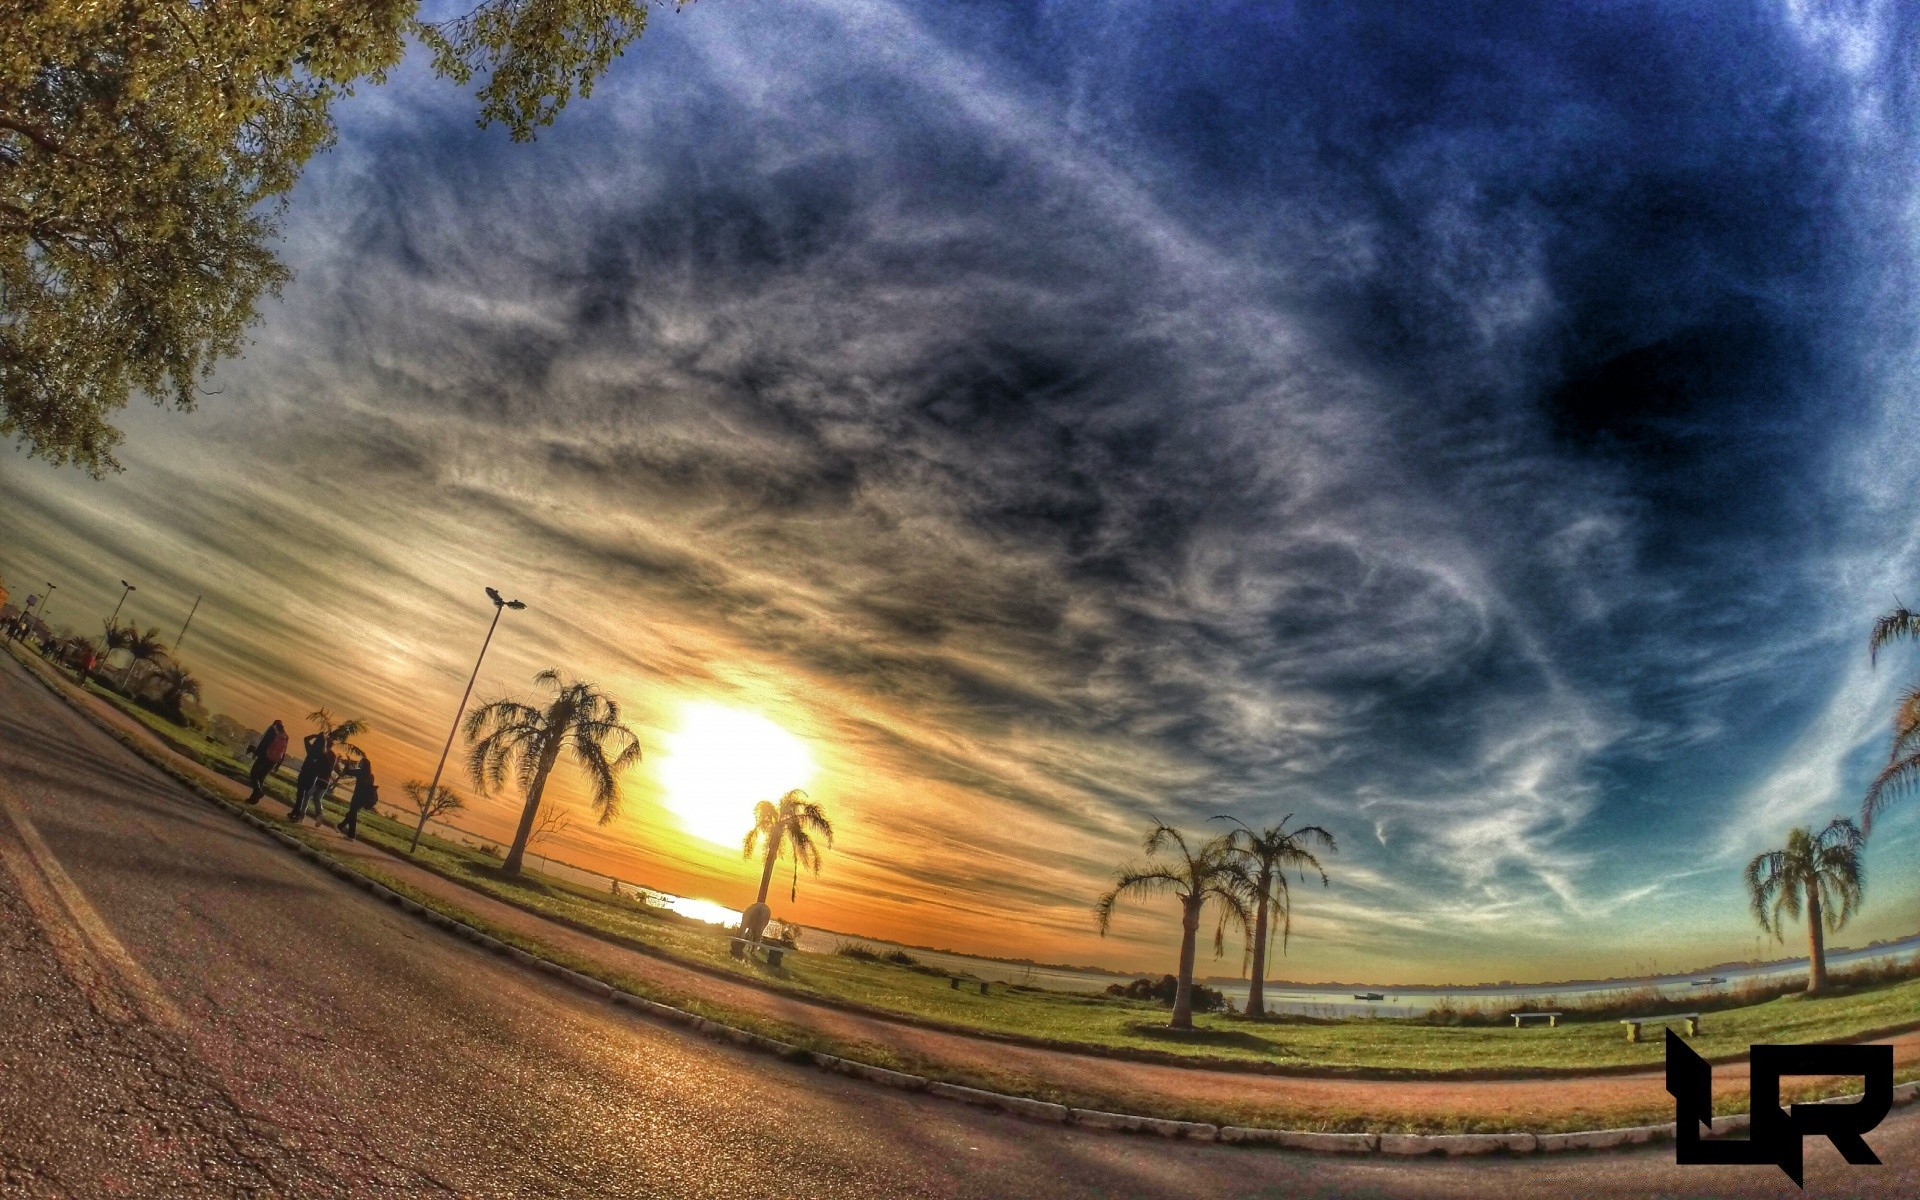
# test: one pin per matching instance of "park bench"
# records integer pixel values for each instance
(1552, 1018)
(743, 947)
(1633, 1024)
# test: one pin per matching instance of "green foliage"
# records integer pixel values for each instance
(1164, 990)
(145, 154)
(525, 741)
(176, 686)
(534, 53)
(791, 827)
(1825, 868)
(1902, 771)
(861, 952)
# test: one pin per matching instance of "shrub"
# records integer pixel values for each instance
(1163, 990)
(861, 952)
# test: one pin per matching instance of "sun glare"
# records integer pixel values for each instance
(724, 761)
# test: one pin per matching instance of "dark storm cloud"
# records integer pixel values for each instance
(1460, 429)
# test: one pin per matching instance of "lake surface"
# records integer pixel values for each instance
(1317, 1000)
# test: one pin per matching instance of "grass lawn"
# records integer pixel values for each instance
(1362, 1046)
(1365, 1046)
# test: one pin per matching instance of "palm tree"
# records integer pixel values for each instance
(789, 826)
(1215, 873)
(337, 730)
(1825, 872)
(510, 736)
(1267, 856)
(432, 802)
(146, 648)
(176, 685)
(114, 637)
(1903, 763)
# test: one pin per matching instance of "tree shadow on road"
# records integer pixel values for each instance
(1222, 1038)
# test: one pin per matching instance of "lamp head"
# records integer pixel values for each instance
(515, 604)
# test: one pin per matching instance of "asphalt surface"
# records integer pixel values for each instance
(188, 1009)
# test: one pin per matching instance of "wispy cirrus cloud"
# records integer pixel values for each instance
(1471, 436)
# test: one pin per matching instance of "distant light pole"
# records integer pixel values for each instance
(499, 606)
(19, 633)
(187, 622)
(44, 600)
(123, 599)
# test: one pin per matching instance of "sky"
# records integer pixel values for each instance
(1487, 434)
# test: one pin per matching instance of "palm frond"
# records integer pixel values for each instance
(1147, 881)
(1906, 723)
(1900, 623)
(1160, 835)
(1897, 778)
(1764, 876)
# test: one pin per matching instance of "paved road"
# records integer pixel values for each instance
(187, 1009)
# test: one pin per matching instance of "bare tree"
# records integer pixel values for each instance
(432, 802)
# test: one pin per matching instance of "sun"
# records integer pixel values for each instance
(722, 762)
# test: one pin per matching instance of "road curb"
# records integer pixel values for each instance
(1312, 1141)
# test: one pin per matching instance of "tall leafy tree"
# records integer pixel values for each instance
(1822, 874)
(1214, 873)
(526, 741)
(145, 154)
(788, 827)
(1268, 854)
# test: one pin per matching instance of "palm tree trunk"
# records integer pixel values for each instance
(773, 856)
(1816, 945)
(1257, 990)
(1183, 994)
(417, 831)
(520, 835)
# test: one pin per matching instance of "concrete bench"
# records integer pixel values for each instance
(743, 947)
(1552, 1018)
(1633, 1024)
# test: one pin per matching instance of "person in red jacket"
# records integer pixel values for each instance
(268, 753)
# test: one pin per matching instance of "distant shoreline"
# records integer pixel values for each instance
(1286, 984)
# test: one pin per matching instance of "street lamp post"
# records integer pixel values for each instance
(499, 606)
(123, 599)
(187, 622)
(44, 600)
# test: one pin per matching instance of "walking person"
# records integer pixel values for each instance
(316, 776)
(268, 753)
(366, 795)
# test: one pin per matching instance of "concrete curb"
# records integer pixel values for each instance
(1397, 1144)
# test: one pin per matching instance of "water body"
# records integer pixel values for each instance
(1317, 1000)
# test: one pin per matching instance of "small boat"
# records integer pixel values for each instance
(1708, 982)
(1368, 996)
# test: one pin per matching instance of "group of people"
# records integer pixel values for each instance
(323, 767)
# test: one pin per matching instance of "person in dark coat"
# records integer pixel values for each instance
(366, 794)
(268, 753)
(316, 776)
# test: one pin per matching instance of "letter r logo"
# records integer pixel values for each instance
(1776, 1133)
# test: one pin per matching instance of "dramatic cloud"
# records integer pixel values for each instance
(1488, 436)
